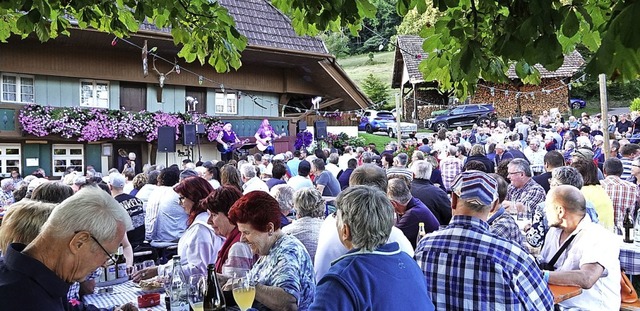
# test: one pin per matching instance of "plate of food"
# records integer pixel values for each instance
(152, 285)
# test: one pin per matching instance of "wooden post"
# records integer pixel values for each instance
(604, 111)
(398, 119)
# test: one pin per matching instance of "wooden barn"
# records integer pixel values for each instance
(421, 97)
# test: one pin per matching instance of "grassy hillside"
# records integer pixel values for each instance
(358, 67)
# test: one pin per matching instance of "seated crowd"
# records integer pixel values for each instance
(339, 229)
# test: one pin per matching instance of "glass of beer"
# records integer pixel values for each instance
(197, 288)
(244, 291)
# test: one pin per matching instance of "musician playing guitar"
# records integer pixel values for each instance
(227, 140)
(265, 137)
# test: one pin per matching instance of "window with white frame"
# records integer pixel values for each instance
(65, 156)
(94, 93)
(17, 88)
(226, 103)
(10, 159)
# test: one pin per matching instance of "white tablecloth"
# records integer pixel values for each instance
(122, 293)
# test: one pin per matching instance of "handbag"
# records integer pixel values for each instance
(627, 292)
(550, 265)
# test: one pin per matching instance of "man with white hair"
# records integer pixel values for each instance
(6, 196)
(535, 154)
(400, 166)
(433, 197)
(251, 181)
(80, 235)
(450, 167)
(502, 153)
(409, 210)
(373, 274)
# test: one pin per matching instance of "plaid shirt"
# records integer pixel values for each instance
(623, 194)
(469, 268)
(531, 194)
(503, 225)
(450, 168)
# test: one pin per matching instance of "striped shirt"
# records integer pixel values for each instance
(468, 268)
(626, 168)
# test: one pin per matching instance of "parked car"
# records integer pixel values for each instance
(576, 103)
(384, 121)
(462, 115)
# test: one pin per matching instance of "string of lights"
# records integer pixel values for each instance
(256, 100)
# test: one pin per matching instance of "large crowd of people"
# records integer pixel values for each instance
(339, 229)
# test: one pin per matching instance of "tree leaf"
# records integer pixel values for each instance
(571, 24)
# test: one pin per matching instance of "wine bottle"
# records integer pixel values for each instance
(213, 298)
(421, 232)
(627, 224)
(179, 301)
(121, 264)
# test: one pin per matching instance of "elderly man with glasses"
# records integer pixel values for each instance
(524, 193)
(81, 234)
(564, 175)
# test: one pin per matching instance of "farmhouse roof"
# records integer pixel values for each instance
(263, 25)
(409, 54)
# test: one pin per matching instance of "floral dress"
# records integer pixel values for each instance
(288, 266)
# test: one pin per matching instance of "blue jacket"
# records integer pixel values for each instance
(385, 279)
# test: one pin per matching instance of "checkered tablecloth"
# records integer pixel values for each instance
(630, 258)
(122, 293)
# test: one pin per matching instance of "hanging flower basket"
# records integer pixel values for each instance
(92, 124)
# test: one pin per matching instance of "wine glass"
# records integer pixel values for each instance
(244, 291)
(196, 289)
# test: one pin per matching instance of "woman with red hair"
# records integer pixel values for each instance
(234, 256)
(199, 245)
(280, 286)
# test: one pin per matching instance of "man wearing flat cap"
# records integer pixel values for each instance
(465, 253)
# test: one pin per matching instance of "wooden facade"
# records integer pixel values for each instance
(273, 79)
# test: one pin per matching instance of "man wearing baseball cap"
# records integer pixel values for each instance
(465, 252)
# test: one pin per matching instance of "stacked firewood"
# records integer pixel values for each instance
(516, 100)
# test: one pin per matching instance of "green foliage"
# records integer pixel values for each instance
(617, 91)
(340, 141)
(635, 104)
(474, 40)
(203, 29)
(375, 89)
(337, 43)
(414, 22)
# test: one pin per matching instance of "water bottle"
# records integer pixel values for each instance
(179, 301)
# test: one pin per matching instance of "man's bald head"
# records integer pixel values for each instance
(569, 197)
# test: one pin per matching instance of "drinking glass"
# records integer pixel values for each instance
(244, 291)
(166, 279)
(196, 289)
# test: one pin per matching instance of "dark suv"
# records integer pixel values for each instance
(463, 115)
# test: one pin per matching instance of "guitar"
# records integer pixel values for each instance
(231, 147)
(262, 147)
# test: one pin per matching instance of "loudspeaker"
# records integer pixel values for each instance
(200, 129)
(301, 126)
(167, 139)
(189, 134)
(320, 129)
